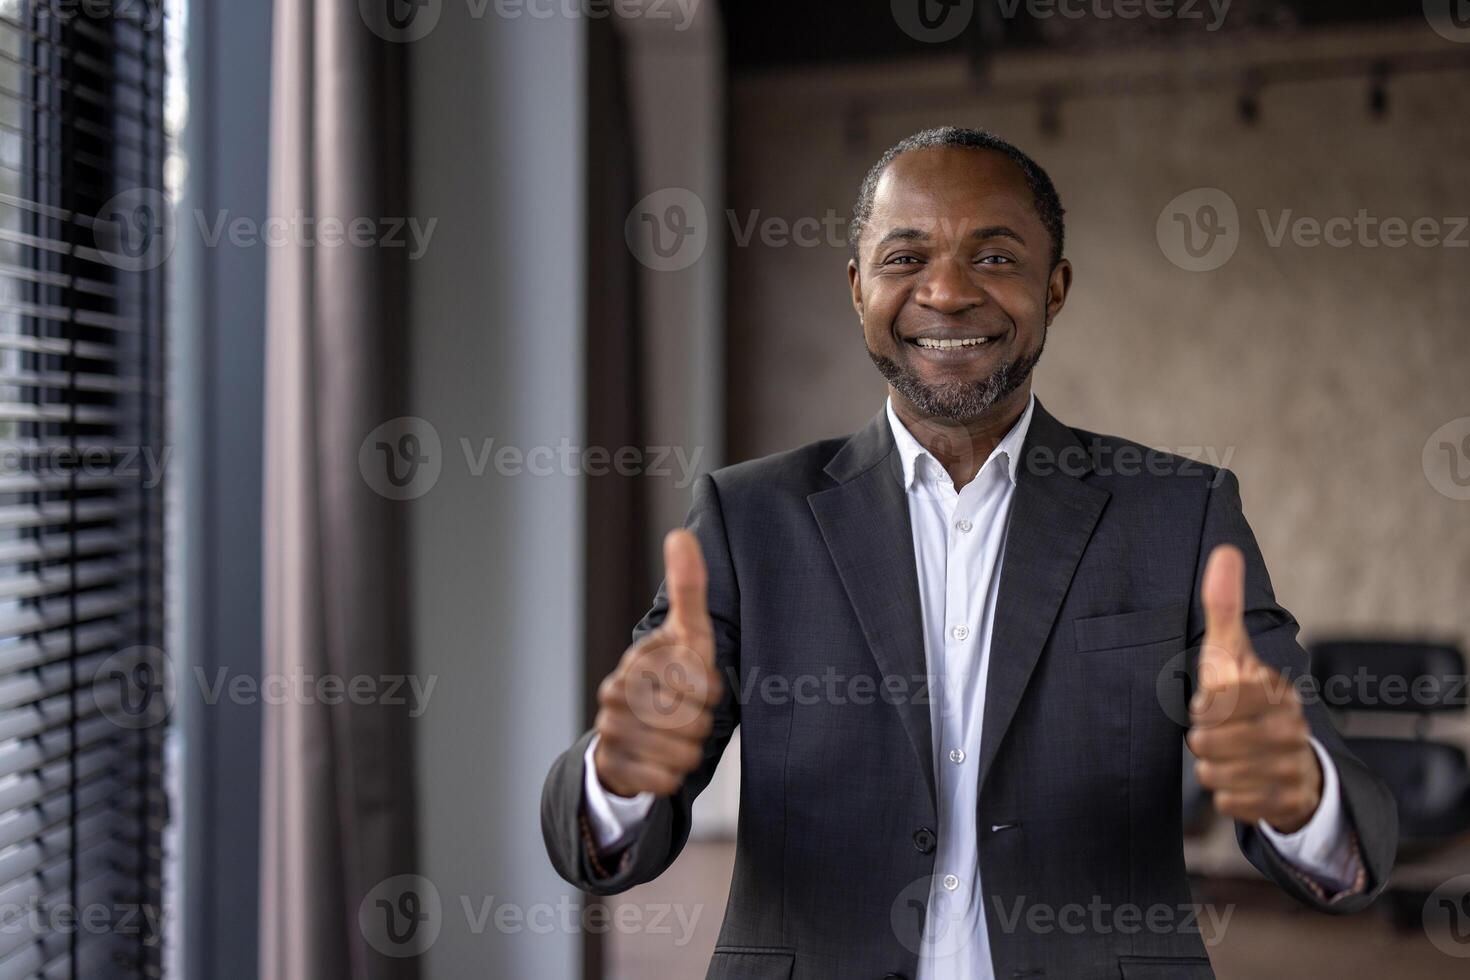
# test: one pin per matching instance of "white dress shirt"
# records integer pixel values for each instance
(959, 540)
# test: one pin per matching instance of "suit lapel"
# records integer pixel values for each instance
(1052, 518)
(865, 523)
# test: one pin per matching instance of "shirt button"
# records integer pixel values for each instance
(963, 526)
(957, 756)
(960, 632)
(951, 883)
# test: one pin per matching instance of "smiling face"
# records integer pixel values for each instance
(953, 282)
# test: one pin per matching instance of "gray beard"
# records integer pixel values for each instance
(961, 401)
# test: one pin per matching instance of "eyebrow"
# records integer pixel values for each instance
(979, 234)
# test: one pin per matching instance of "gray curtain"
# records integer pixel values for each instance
(337, 780)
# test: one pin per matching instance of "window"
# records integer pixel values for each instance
(84, 689)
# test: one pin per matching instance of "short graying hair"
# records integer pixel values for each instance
(1048, 204)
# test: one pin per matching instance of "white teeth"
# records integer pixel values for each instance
(938, 344)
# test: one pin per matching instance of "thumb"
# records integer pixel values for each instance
(686, 581)
(1225, 651)
(1222, 593)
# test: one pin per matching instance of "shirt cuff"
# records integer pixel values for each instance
(612, 818)
(1324, 850)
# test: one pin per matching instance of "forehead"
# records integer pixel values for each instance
(954, 188)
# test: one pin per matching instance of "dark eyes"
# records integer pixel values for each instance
(983, 260)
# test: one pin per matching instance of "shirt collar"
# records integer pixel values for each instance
(910, 450)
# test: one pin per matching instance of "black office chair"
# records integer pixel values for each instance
(1430, 780)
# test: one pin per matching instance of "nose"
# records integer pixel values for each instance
(949, 288)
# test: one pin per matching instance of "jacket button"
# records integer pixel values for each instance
(924, 840)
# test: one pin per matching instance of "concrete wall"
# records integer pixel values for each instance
(1321, 370)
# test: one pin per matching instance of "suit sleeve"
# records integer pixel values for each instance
(1371, 814)
(663, 833)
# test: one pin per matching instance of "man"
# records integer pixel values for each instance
(956, 646)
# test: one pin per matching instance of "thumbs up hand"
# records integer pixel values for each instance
(656, 707)
(1248, 729)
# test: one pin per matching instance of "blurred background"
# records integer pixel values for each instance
(422, 316)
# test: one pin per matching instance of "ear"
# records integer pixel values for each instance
(1057, 287)
(855, 283)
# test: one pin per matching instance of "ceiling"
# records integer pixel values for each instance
(834, 31)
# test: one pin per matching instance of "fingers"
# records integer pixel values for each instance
(675, 751)
(1261, 769)
(1279, 806)
(664, 696)
(1275, 733)
(628, 775)
(686, 580)
(656, 713)
(1250, 775)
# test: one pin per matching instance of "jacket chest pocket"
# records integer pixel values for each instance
(751, 963)
(1131, 629)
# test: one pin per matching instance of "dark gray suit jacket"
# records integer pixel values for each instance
(812, 575)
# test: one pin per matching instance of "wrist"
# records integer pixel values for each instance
(607, 781)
